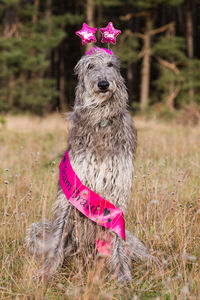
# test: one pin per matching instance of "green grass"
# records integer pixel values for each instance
(164, 213)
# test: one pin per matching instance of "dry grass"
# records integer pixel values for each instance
(165, 212)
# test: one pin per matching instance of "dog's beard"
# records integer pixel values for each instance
(95, 99)
(101, 97)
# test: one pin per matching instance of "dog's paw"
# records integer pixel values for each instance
(124, 279)
(41, 277)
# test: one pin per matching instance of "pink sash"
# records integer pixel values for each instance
(88, 202)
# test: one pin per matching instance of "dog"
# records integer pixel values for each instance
(101, 146)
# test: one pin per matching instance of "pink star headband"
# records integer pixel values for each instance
(109, 34)
(87, 34)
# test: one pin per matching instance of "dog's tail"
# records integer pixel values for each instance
(36, 236)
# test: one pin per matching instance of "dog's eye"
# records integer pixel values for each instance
(90, 66)
(110, 64)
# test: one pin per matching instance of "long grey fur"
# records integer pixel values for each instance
(102, 145)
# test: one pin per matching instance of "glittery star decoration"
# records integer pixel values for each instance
(109, 33)
(87, 34)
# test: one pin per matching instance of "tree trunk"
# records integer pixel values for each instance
(189, 37)
(36, 8)
(11, 29)
(130, 80)
(34, 21)
(90, 20)
(62, 79)
(11, 21)
(11, 88)
(99, 20)
(171, 97)
(189, 28)
(62, 82)
(48, 17)
(145, 72)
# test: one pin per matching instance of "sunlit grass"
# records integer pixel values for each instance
(164, 213)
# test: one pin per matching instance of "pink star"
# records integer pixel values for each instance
(109, 33)
(87, 34)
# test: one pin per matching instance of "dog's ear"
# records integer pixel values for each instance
(117, 62)
(78, 68)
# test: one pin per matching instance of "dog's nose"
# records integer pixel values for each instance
(103, 85)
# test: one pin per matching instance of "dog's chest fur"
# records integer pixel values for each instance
(102, 157)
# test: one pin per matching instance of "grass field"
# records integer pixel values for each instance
(164, 214)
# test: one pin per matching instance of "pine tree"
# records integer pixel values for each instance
(178, 73)
(191, 82)
(24, 48)
(145, 9)
(169, 52)
(126, 48)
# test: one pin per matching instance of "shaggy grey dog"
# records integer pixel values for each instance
(102, 144)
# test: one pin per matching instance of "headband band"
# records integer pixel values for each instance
(95, 49)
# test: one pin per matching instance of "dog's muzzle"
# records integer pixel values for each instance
(103, 85)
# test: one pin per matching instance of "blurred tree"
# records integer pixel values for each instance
(189, 33)
(170, 54)
(146, 10)
(24, 48)
(127, 50)
(191, 77)
(178, 74)
(189, 24)
(90, 19)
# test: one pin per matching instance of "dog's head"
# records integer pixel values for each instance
(99, 74)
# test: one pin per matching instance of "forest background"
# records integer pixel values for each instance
(158, 48)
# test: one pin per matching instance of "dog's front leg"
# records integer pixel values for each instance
(36, 237)
(54, 254)
(120, 260)
(124, 252)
